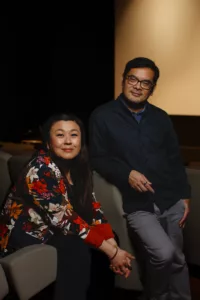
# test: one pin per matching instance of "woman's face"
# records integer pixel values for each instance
(65, 139)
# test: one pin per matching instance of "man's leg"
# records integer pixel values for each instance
(158, 250)
(179, 285)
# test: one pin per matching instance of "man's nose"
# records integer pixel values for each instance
(138, 85)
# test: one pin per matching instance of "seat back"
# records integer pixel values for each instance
(16, 164)
(110, 198)
(5, 181)
(192, 228)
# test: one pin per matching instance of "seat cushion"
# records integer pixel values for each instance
(3, 284)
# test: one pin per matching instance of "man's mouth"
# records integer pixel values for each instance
(136, 94)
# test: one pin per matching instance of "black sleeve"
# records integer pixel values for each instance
(109, 167)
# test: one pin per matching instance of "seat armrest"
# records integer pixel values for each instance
(3, 284)
(30, 269)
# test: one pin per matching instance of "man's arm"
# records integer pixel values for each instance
(111, 168)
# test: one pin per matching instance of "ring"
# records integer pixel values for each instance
(145, 183)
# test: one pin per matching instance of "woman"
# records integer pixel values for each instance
(53, 203)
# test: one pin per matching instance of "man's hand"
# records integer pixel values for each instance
(186, 212)
(139, 182)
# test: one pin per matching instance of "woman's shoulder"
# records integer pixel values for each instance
(42, 161)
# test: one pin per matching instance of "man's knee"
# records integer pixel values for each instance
(164, 256)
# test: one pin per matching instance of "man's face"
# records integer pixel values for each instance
(135, 90)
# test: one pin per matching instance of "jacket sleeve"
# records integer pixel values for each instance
(50, 195)
(111, 168)
(175, 160)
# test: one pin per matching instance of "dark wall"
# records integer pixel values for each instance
(62, 60)
(187, 128)
(57, 60)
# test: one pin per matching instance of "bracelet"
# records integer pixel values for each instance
(115, 253)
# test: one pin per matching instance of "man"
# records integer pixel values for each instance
(134, 146)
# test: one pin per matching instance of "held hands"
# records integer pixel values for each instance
(139, 182)
(121, 262)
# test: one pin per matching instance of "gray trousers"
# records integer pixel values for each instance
(158, 241)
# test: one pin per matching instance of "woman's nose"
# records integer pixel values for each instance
(67, 139)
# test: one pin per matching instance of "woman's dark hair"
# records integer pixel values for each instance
(79, 167)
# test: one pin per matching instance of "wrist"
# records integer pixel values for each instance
(115, 254)
(112, 241)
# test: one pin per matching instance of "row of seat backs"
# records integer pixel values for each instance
(10, 166)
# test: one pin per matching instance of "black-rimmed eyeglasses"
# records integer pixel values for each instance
(144, 84)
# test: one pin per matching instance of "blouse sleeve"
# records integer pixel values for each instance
(99, 220)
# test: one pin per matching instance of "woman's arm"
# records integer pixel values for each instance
(48, 191)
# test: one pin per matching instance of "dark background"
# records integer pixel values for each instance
(57, 59)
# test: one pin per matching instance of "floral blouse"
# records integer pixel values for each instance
(39, 201)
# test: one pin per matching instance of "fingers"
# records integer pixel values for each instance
(140, 183)
(184, 218)
(128, 255)
(128, 272)
(116, 270)
(128, 261)
(149, 188)
(144, 187)
(121, 271)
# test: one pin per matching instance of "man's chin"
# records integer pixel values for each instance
(135, 103)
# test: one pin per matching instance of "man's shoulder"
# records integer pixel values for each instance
(157, 110)
(104, 109)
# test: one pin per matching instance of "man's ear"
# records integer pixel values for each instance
(153, 89)
(122, 82)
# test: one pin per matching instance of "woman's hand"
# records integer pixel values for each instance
(121, 263)
(120, 260)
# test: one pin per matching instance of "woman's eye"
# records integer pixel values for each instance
(74, 134)
(59, 134)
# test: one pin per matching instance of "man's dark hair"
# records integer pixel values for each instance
(142, 62)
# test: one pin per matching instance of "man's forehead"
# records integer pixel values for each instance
(143, 73)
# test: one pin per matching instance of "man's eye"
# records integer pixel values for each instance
(132, 78)
(74, 134)
(59, 134)
(147, 83)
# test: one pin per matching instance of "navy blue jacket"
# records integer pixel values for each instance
(119, 144)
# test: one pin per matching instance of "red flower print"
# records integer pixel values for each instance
(39, 187)
(27, 227)
(4, 242)
(3, 229)
(48, 174)
(15, 210)
(62, 186)
(81, 222)
(47, 160)
(96, 205)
